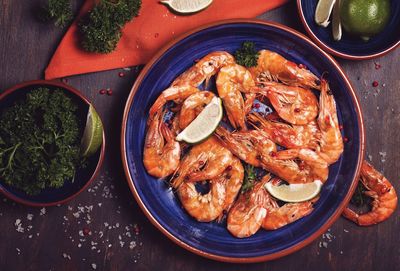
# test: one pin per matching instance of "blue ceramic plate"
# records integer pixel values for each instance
(351, 47)
(83, 176)
(159, 202)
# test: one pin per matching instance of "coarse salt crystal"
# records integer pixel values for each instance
(43, 211)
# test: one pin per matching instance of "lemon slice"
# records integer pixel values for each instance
(187, 6)
(93, 134)
(295, 192)
(323, 12)
(336, 24)
(204, 124)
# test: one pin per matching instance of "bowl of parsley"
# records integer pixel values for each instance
(51, 143)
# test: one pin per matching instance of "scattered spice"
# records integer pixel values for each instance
(375, 84)
(109, 92)
(102, 91)
(377, 66)
(302, 66)
(345, 139)
(121, 74)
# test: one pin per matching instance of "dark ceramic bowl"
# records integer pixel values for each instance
(351, 47)
(158, 201)
(83, 177)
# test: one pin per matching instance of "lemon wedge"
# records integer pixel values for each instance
(187, 6)
(93, 134)
(204, 124)
(323, 12)
(294, 192)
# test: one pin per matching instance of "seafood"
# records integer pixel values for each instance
(294, 104)
(232, 80)
(161, 153)
(233, 178)
(311, 167)
(275, 67)
(175, 93)
(223, 192)
(381, 191)
(247, 214)
(242, 144)
(287, 135)
(203, 208)
(203, 162)
(331, 142)
(192, 106)
(204, 69)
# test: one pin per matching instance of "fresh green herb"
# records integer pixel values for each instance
(57, 11)
(39, 141)
(247, 55)
(249, 179)
(101, 28)
(358, 196)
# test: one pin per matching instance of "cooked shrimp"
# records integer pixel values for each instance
(204, 69)
(223, 191)
(381, 191)
(288, 135)
(233, 178)
(160, 159)
(331, 139)
(218, 159)
(248, 213)
(275, 67)
(312, 166)
(277, 217)
(232, 80)
(204, 161)
(203, 208)
(176, 93)
(192, 106)
(242, 144)
(294, 104)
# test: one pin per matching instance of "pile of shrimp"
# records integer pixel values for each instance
(297, 145)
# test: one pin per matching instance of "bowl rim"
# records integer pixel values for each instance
(212, 256)
(336, 52)
(102, 151)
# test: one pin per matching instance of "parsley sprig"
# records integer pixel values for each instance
(247, 55)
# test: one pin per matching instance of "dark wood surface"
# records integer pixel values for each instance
(57, 240)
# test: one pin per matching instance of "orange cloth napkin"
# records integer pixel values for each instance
(145, 35)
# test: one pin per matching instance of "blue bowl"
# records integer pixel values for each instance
(349, 47)
(159, 202)
(83, 176)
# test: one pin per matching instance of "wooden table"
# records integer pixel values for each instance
(104, 229)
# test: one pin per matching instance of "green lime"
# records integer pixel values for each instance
(204, 124)
(295, 192)
(93, 134)
(365, 18)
